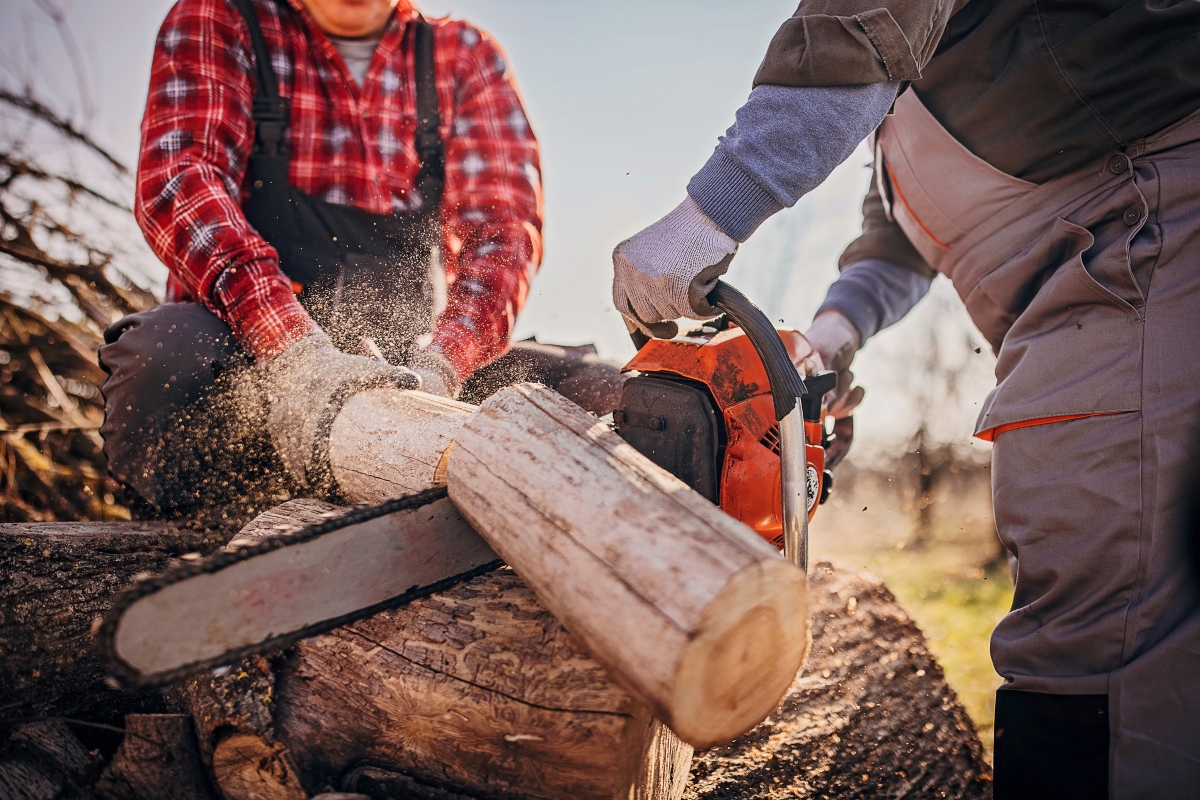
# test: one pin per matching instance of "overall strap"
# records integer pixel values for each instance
(430, 149)
(271, 113)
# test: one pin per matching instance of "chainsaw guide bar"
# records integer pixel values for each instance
(218, 610)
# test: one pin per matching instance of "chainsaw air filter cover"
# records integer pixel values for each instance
(700, 407)
(671, 421)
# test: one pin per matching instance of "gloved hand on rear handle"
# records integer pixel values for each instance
(305, 387)
(667, 271)
(833, 341)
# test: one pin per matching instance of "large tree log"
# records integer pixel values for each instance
(478, 689)
(690, 611)
(872, 715)
(699, 618)
(57, 580)
(872, 701)
(481, 691)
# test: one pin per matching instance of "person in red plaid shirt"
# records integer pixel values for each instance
(302, 161)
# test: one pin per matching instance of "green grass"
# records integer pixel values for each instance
(957, 611)
(953, 586)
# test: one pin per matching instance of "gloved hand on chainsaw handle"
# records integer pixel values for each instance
(305, 387)
(667, 271)
(833, 340)
(785, 142)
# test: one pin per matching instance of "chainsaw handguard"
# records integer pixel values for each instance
(786, 384)
(787, 390)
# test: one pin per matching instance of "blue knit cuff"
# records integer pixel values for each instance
(730, 197)
(855, 303)
(874, 294)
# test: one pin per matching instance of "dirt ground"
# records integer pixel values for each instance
(954, 584)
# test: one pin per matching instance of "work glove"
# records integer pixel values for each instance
(834, 340)
(305, 387)
(436, 372)
(668, 270)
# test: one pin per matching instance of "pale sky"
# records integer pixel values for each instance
(627, 100)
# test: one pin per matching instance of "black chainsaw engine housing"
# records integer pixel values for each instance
(673, 422)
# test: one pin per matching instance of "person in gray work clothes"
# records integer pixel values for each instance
(1046, 158)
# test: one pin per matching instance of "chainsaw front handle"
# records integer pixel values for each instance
(788, 391)
(787, 387)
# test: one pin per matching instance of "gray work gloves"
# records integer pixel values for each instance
(835, 340)
(667, 271)
(437, 373)
(305, 387)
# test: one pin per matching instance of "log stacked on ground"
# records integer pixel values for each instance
(872, 700)
(700, 619)
(56, 581)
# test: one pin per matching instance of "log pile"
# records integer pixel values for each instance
(871, 699)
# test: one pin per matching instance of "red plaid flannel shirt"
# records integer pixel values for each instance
(348, 146)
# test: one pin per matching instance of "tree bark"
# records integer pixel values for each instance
(43, 760)
(695, 615)
(57, 580)
(478, 690)
(157, 758)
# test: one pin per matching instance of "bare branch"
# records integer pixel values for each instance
(20, 168)
(58, 15)
(34, 107)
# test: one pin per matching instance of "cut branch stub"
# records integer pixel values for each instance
(693, 613)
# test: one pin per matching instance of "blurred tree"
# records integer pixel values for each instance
(72, 261)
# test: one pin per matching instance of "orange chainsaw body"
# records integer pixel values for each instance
(747, 466)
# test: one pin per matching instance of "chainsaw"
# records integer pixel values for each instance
(722, 408)
(705, 407)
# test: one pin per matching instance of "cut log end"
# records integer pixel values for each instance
(248, 768)
(729, 680)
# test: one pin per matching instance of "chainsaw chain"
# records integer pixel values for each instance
(127, 676)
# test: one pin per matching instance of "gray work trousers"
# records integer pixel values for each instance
(185, 425)
(1089, 286)
(1095, 509)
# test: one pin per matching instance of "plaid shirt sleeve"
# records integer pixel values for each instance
(198, 131)
(492, 206)
(196, 134)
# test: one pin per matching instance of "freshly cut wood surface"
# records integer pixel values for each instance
(478, 690)
(387, 443)
(248, 767)
(57, 580)
(689, 610)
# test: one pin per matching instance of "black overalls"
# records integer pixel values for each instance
(184, 423)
